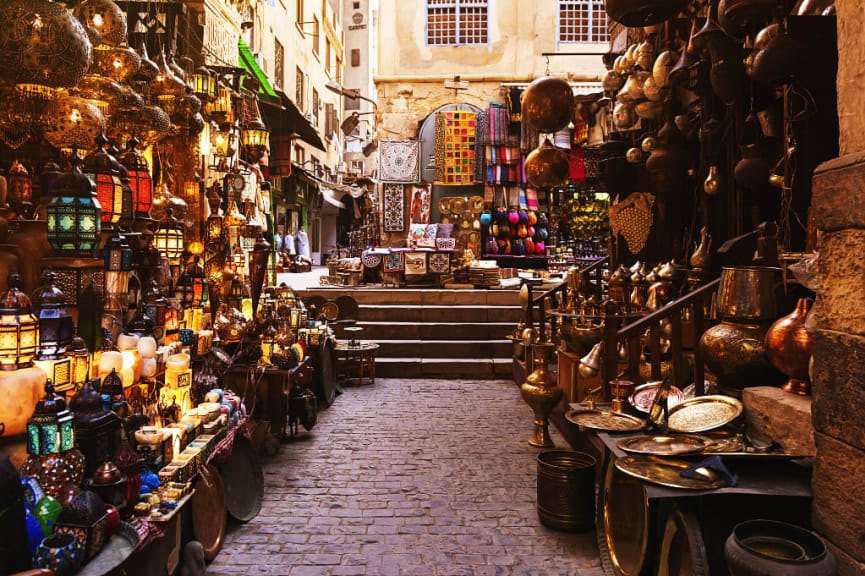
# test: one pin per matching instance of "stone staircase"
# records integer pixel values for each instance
(436, 333)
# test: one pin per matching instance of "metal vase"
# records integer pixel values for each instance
(541, 392)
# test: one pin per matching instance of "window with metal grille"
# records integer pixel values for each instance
(583, 21)
(298, 97)
(278, 64)
(315, 106)
(456, 22)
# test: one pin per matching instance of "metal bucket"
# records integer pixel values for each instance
(566, 490)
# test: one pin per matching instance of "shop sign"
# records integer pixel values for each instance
(221, 31)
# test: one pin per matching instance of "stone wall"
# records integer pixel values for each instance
(839, 350)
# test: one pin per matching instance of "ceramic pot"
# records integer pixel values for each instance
(770, 548)
(736, 354)
(60, 553)
(788, 346)
(541, 392)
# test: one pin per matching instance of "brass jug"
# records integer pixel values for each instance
(541, 392)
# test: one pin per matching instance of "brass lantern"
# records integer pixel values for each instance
(139, 178)
(75, 122)
(255, 138)
(105, 17)
(19, 191)
(221, 107)
(204, 84)
(168, 238)
(18, 327)
(223, 140)
(80, 356)
(74, 213)
(103, 169)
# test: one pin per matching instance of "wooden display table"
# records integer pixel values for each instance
(360, 358)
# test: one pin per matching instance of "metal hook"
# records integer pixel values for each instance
(547, 58)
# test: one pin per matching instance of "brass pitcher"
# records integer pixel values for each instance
(541, 392)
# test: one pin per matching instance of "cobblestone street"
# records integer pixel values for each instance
(408, 477)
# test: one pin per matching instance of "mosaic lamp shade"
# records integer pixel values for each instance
(56, 328)
(50, 430)
(74, 213)
(139, 178)
(127, 197)
(18, 327)
(103, 169)
(73, 122)
(213, 228)
(105, 17)
(42, 44)
(168, 238)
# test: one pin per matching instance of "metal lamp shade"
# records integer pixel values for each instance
(119, 63)
(104, 170)
(546, 166)
(548, 104)
(105, 17)
(73, 123)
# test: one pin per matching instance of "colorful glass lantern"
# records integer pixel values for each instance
(49, 430)
(56, 328)
(223, 141)
(103, 169)
(74, 213)
(80, 357)
(200, 286)
(168, 238)
(117, 254)
(204, 84)
(238, 260)
(255, 138)
(127, 207)
(18, 327)
(139, 178)
(213, 228)
(221, 108)
(19, 189)
(97, 430)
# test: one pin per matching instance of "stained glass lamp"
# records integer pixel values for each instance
(139, 178)
(103, 169)
(18, 327)
(49, 430)
(74, 213)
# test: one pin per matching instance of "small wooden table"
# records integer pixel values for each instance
(360, 357)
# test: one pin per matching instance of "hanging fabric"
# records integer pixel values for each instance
(455, 148)
(394, 207)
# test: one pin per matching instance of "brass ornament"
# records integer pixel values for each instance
(119, 63)
(667, 472)
(541, 392)
(75, 122)
(547, 166)
(548, 104)
(664, 445)
(105, 17)
(633, 219)
(703, 413)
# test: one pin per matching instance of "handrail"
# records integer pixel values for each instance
(646, 321)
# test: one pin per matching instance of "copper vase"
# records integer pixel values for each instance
(736, 355)
(788, 346)
(541, 392)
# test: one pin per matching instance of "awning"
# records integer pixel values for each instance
(248, 63)
(285, 118)
(329, 197)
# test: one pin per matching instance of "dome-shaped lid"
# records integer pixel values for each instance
(112, 385)
(85, 509)
(50, 295)
(75, 183)
(86, 401)
(51, 403)
(14, 301)
(132, 158)
(106, 473)
(100, 161)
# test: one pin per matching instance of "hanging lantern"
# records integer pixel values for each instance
(103, 169)
(168, 238)
(74, 213)
(127, 205)
(238, 261)
(120, 63)
(221, 109)
(56, 327)
(79, 355)
(547, 166)
(105, 17)
(257, 269)
(18, 327)
(75, 122)
(223, 140)
(149, 69)
(204, 84)
(139, 178)
(548, 104)
(19, 188)
(255, 138)
(117, 254)
(166, 83)
(200, 286)
(155, 304)
(49, 430)
(151, 125)
(233, 218)
(184, 290)
(213, 228)
(191, 190)
(43, 44)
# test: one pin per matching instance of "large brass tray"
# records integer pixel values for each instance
(703, 413)
(605, 420)
(665, 472)
(664, 445)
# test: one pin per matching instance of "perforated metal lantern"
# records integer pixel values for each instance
(74, 213)
(139, 178)
(18, 327)
(204, 84)
(19, 187)
(105, 17)
(168, 238)
(103, 169)
(56, 328)
(255, 138)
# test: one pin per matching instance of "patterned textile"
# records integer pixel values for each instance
(371, 260)
(480, 136)
(532, 198)
(445, 230)
(421, 200)
(455, 148)
(415, 263)
(429, 237)
(446, 243)
(394, 262)
(399, 161)
(439, 263)
(394, 208)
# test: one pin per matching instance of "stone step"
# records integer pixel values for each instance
(420, 297)
(438, 314)
(480, 349)
(447, 368)
(436, 330)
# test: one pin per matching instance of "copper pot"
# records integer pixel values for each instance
(788, 346)
(548, 104)
(736, 354)
(750, 293)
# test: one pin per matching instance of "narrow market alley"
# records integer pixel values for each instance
(408, 477)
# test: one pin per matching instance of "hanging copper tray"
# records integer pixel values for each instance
(664, 445)
(208, 511)
(703, 413)
(665, 472)
(476, 204)
(329, 311)
(458, 205)
(445, 205)
(643, 396)
(604, 420)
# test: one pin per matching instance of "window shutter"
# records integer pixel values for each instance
(355, 57)
(328, 120)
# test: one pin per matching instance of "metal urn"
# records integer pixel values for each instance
(541, 392)
(788, 344)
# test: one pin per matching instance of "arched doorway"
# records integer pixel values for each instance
(426, 136)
